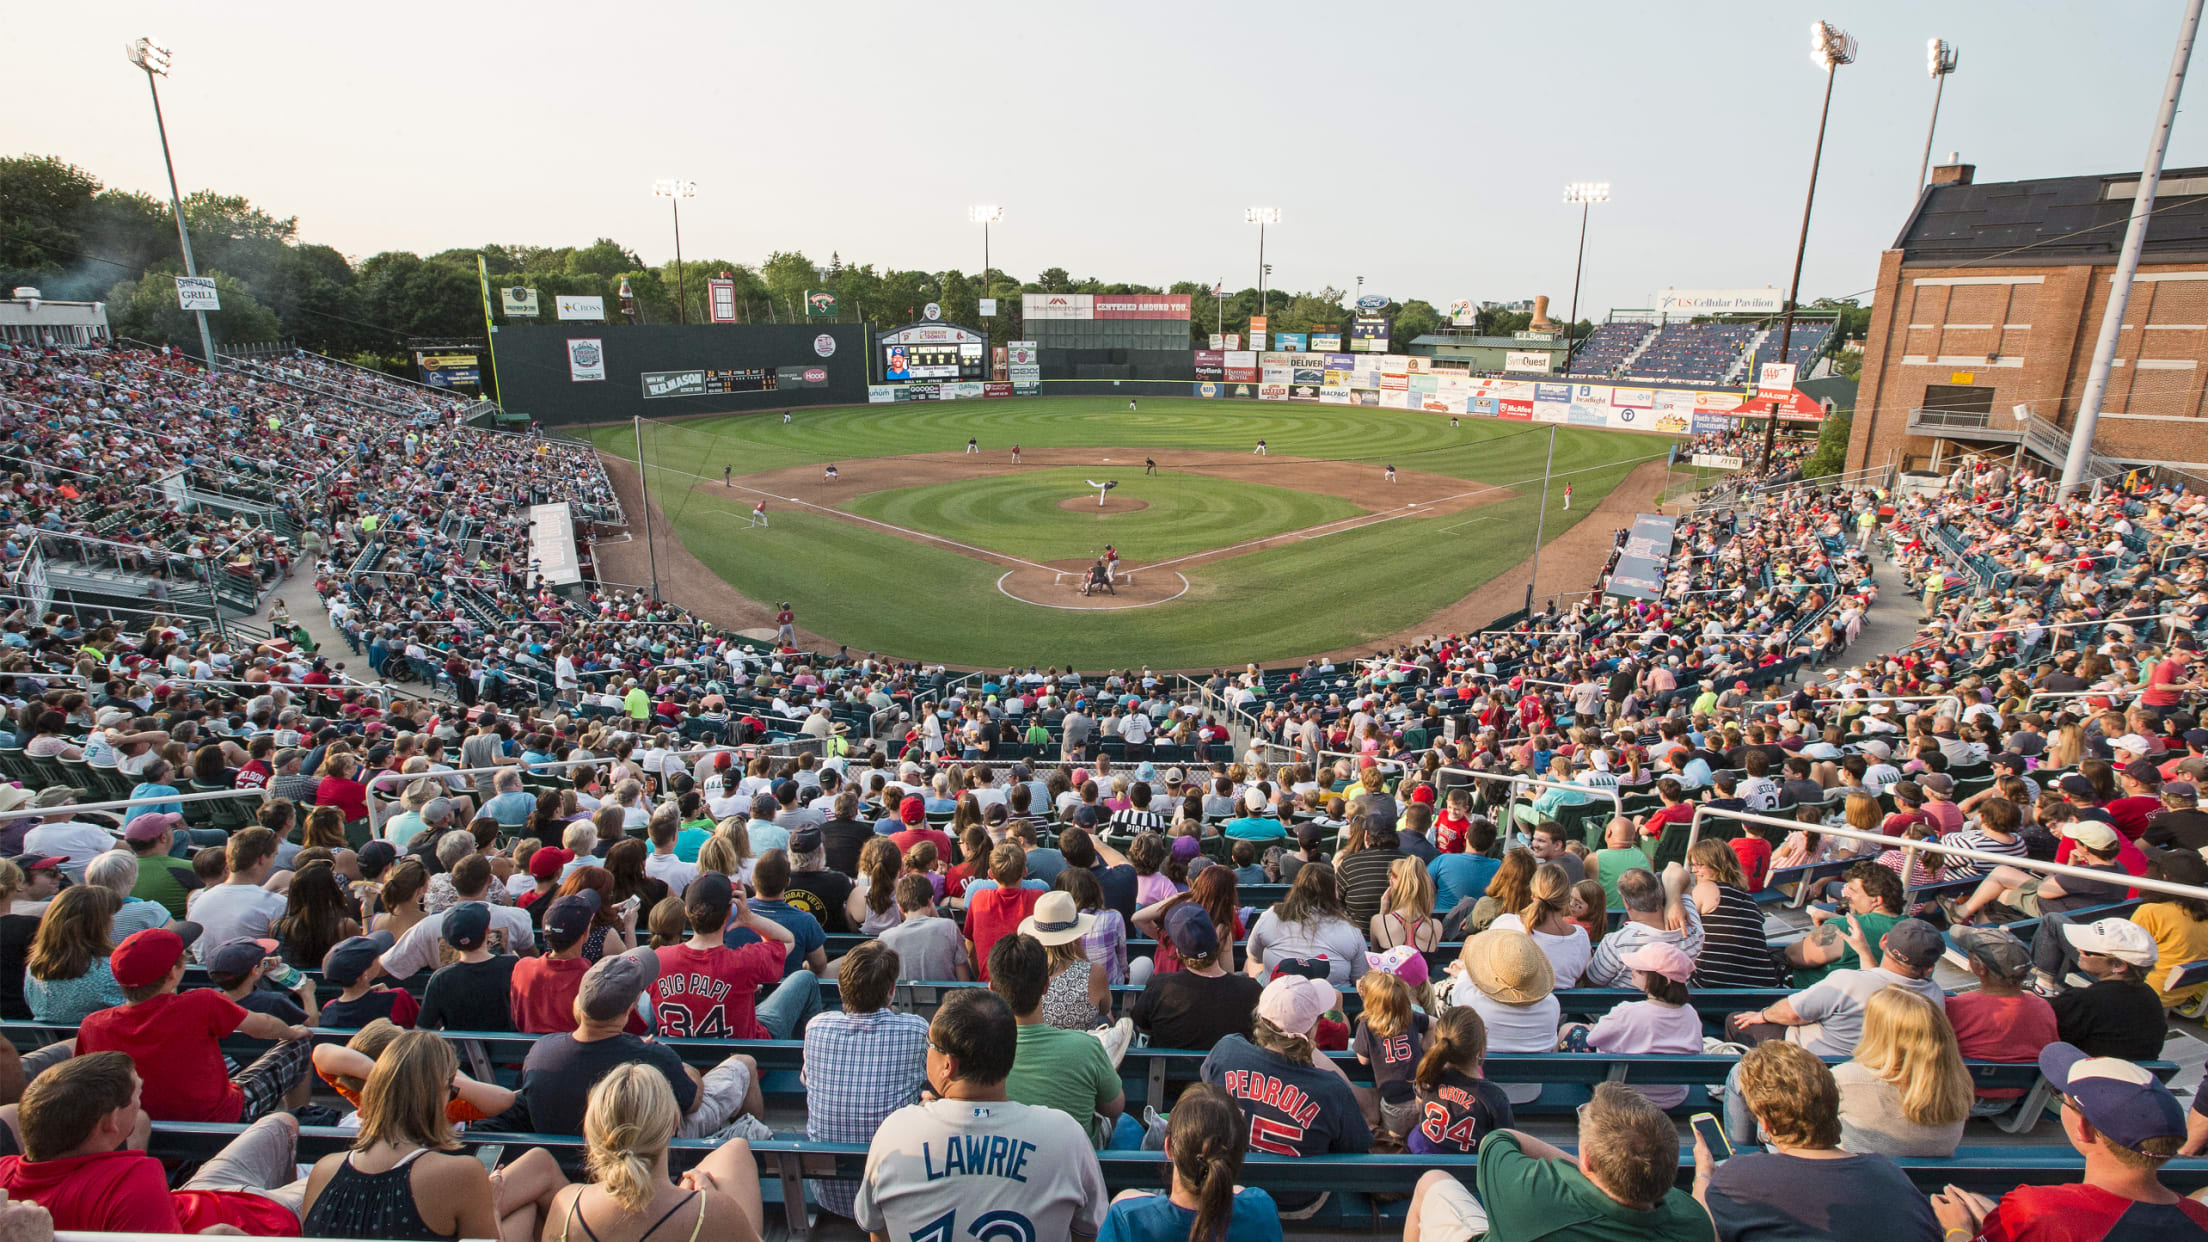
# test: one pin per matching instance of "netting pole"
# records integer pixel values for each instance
(644, 489)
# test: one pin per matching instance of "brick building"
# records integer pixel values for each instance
(1992, 298)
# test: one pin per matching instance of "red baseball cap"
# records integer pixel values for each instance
(546, 863)
(147, 956)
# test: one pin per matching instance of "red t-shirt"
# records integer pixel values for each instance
(1681, 813)
(993, 913)
(945, 848)
(1899, 823)
(543, 993)
(1449, 833)
(2009, 1029)
(2166, 673)
(1755, 859)
(2079, 1213)
(713, 993)
(128, 1192)
(175, 1041)
(2130, 814)
(254, 775)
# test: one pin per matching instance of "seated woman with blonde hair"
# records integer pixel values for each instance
(627, 1127)
(405, 1177)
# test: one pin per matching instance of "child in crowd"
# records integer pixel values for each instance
(1390, 1037)
(1456, 1106)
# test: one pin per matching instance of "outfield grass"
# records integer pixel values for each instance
(877, 591)
(1022, 514)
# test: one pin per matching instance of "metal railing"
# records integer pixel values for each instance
(1516, 783)
(2068, 870)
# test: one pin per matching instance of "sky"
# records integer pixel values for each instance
(1421, 146)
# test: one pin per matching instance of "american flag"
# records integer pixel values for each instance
(1219, 291)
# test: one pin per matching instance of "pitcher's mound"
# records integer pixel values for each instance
(1060, 587)
(1112, 504)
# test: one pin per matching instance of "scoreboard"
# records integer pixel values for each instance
(933, 352)
(708, 381)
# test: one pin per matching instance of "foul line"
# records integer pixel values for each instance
(1364, 520)
(1078, 608)
(849, 516)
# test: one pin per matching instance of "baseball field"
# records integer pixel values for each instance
(921, 548)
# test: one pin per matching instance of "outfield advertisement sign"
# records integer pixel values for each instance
(592, 308)
(1104, 305)
(1291, 342)
(1272, 392)
(1717, 461)
(1024, 363)
(1326, 342)
(1211, 364)
(518, 302)
(1241, 366)
(586, 358)
(1681, 302)
(716, 381)
(961, 390)
(1368, 334)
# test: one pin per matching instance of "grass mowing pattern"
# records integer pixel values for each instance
(877, 591)
(1020, 514)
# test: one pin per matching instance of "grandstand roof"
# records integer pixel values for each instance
(2054, 220)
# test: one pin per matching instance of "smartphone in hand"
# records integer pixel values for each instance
(1712, 1133)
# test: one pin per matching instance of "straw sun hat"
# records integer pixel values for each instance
(1509, 967)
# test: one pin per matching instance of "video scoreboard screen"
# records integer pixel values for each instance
(934, 360)
(708, 381)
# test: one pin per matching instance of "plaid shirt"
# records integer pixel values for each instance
(867, 1066)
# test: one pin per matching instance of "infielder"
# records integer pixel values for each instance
(1260, 449)
(759, 514)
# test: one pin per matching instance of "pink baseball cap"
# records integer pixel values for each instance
(1658, 958)
(1295, 1004)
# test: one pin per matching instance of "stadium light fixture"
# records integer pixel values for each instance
(152, 56)
(1940, 59)
(1831, 47)
(1586, 194)
(675, 189)
(985, 214)
(1261, 216)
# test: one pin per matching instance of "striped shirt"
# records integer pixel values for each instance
(1734, 951)
(1978, 839)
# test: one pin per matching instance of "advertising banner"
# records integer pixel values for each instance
(1519, 411)
(1326, 342)
(1029, 388)
(1681, 302)
(446, 377)
(1024, 362)
(1555, 393)
(1579, 415)
(720, 301)
(1708, 424)
(592, 308)
(1292, 342)
(1368, 334)
(1463, 315)
(1233, 342)
(1218, 340)
(1277, 374)
(1139, 306)
(586, 358)
(1552, 411)
(1272, 392)
(996, 388)
(197, 293)
(1482, 405)
(1775, 381)
(1372, 303)
(988, 308)
(1333, 394)
(1717, 461)
(1258, 326)
(713, 381)
(1526, 360)
(518, 302)
(1059, 305)
(1340, 361)
(1211, 364)
(1395, 399)
(820, 304)
(1717, 402)
(1634, 398)
(800, 377)
(1313, 376)
(1640, 571)
(1241, 365)
(1209, 390)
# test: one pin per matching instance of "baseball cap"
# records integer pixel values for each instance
(611, 986)
(2076, 786)
(2090, 833)
(2121, 939)
(1174, 776)
(345, 963)
(37, 862)
(1185, 848)
(1085, 816)
(2119, 1099)
(150, 826)
(2009, 759)
(912, 810)
(2181, 789)
(2143, 772)
(785, 790)
(710, 891)
(570, 917)
(546, 862)
(1402, 961)
(2197, 738)
(467, 925)
(1915, 942)
(1294, 1003)
(805, 840)
(1191, 930)
(1254, 798)
(1936, 782)
(53, 796)
(1876, 747)
(376, 855)
(235, 959)
(2001, 953)
(1668, 960)
(145, 956)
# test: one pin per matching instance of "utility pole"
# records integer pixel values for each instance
(154, 59)
(1832, 48)
(2127, 263)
